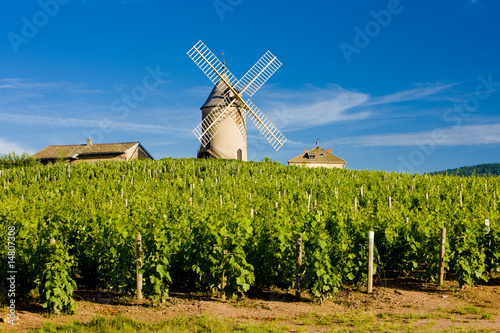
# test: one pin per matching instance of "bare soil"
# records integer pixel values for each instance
(399, 305)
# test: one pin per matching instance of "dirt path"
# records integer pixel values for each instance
(400, 306)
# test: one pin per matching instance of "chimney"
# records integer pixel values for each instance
(89, 141)
(329, 150)
(303, 150)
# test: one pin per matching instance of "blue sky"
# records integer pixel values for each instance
(390, 85)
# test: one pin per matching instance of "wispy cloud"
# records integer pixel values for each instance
(310, 107)
(432, 91)
(30, 85)
(31, 120)
(313, 106)
(288, 109)
(7, 147)
(449, 136)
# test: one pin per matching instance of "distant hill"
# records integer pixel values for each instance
(489, 169)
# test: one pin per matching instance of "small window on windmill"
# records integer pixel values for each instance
(312, 157)
(321, 154)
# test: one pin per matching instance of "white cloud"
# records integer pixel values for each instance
(450, 136)
(105, 124)
(312, 106)
(7, 147)
(30, 85)
(411, 94)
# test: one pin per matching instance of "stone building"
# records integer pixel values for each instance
(318, 157)
(90, 152)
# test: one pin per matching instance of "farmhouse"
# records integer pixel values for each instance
(90, 152)
(318, 157)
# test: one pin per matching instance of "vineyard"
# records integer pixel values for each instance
(227, 226)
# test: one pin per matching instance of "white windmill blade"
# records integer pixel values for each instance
(264, 125)
(258, 74)
(211, 124)
(213, 68)
(239, 118)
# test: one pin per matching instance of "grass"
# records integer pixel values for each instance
(350, 321)
(486, 315)
(122, 324)
(473, 310)
(469, 309)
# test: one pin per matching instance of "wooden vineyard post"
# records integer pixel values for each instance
(355, 204)
(309, 203)
(251, 213)
(371, 241)
(442, 252)
(390, 203)
(138, 257)
(220, 200)
(461, 200)
(223, 278)
(298, 265)
(486, 226)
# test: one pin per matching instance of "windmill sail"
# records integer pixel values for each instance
(232, 103)
(265, 126)
(213, 68)
(258, 74)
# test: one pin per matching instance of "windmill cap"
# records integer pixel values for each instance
(219, 91)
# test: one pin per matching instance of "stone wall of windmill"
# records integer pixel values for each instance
(228, 139)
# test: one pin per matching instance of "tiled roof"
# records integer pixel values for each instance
(71, 151)
(317, 155)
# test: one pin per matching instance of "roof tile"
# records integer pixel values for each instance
(68, 151)
(320, 156)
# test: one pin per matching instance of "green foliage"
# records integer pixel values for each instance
(155, 270)
(318, 274)
(488, 169)
(56, 286)
(11, 160)
(194, 218)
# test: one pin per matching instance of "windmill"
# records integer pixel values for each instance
(222, 131)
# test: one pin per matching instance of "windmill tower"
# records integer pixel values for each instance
(222, 131)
